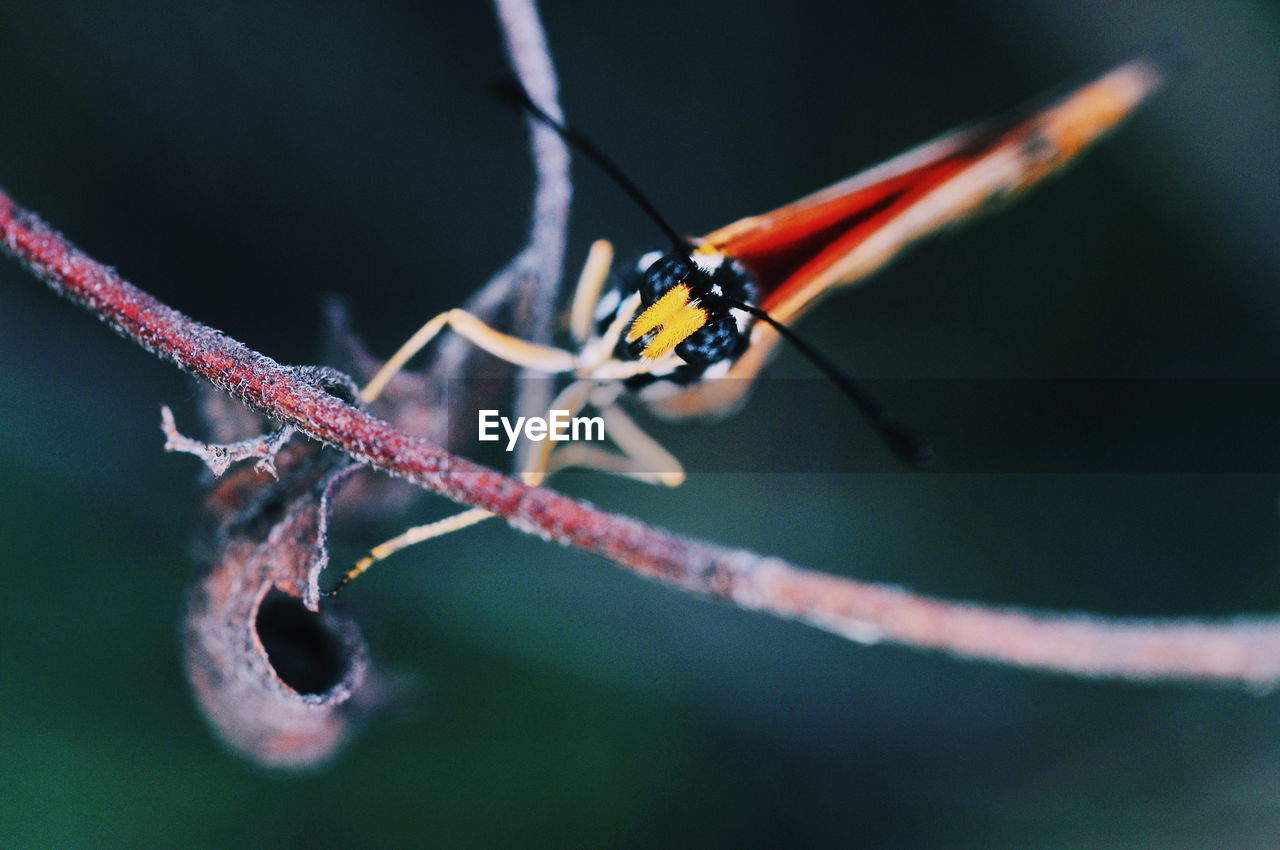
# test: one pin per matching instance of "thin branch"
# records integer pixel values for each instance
(1240, 651)
(542, 261)
(219, 456)
(531, 280)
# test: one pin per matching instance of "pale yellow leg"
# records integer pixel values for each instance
(529, 355)
(512, 349)
(641, 458)
(573, 399)
(641, 455)
(417, 534)
(590, 284)
(647, 452)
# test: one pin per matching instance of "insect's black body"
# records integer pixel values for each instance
(709, 279)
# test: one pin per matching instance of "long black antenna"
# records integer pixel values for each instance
(510, 90)
(908, 446)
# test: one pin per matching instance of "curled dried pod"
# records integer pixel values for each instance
(275, 675)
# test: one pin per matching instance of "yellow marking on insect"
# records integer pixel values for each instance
(660, 312)
(673, 317)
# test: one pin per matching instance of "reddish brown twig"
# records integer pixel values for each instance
(1244, 650)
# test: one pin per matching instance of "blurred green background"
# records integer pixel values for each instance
(241, 161)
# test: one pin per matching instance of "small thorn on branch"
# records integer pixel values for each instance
(219, 456)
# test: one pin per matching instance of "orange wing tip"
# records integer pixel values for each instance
(1143, 75)
(1090, 112)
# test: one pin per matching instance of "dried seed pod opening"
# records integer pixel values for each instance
(308, 651)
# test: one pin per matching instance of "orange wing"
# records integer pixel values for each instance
(844, 233)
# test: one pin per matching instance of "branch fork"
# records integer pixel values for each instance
(218, 457)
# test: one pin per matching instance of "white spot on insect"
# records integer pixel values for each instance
(647, 260)
(608, 304)
(709, 263)
(717, 370)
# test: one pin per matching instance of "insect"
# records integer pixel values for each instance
(688, 330)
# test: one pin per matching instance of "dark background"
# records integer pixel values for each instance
(240, 162)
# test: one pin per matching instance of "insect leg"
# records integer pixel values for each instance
(572, 399)
(642, 457)
(542, 358)
(417, 534)
(590, 284)
(509, 348)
